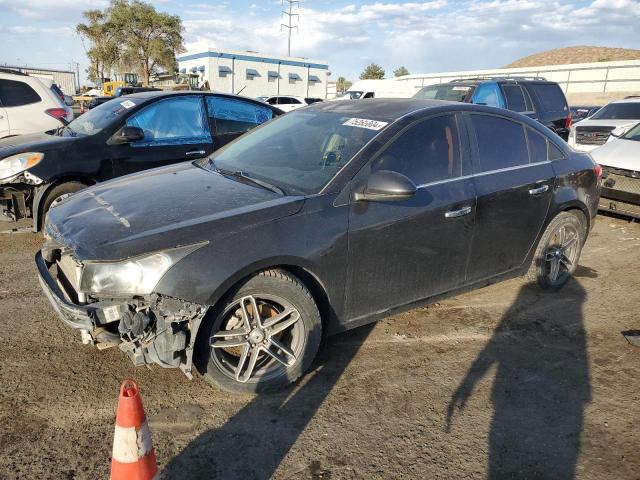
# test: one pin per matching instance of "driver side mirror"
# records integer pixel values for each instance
(127, 134)
(386, 186)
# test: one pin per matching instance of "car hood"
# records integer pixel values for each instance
(619, 153)
(161, 208)
(587, 122)
(36, 142)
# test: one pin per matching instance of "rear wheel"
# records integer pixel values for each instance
(55, 195)
(558, 252)
(264, 335)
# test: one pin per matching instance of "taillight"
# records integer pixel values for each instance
(568, 121)
(57, 113)
(598, 171)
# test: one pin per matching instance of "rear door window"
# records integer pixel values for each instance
(17, 94)
(501, 142)
(488, 94)
(554, 152)
(231, 116)
(428, 151)
(517, 98)
(550, 96)
(537, 146)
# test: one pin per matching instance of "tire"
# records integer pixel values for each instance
(54, 194)
(275, 293)
(572, 223)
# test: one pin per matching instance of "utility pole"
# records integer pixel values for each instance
(289, 26)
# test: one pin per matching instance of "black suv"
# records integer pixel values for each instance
(322, 220)
(536, 98)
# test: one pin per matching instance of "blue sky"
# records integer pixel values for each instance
(427, 36)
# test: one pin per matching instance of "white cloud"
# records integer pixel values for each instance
(424, 36)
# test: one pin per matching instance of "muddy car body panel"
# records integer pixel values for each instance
(359, 259)
(96, 153)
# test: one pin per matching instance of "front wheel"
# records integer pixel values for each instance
(558, 252)
(263, 336)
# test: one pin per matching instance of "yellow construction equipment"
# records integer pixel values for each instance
(109, 86)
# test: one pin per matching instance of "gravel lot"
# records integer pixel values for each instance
(548, 384)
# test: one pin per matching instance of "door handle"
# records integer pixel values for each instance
(458, 213)
(193, 153)
(539, 190)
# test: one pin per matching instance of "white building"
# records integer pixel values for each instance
(253, 74)
(65, 79)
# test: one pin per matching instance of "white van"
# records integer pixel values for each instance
(390, 88)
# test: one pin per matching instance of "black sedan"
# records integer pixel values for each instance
(125, 135)
(322, 220)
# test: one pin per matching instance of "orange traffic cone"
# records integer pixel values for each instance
(133, 457)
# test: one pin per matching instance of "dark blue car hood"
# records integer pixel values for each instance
(161, 208)
(36, 142)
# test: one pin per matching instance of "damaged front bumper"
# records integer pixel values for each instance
(16, 195)
(154, 329)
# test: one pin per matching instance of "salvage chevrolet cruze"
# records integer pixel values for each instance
(316, 222)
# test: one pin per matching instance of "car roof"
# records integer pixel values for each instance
(148, 95)
(627, 100)
(392, 109)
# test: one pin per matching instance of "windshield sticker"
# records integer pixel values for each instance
(127, 104)
(364, 123)
(463, 89)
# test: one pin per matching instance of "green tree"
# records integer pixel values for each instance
(102, 50)
(150, 40)
(372, 72)
(342, 85)
(400, 71)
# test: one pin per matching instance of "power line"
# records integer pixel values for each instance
(289, 26)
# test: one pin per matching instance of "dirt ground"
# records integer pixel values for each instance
(503, 382)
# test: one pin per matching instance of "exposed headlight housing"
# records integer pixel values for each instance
(135, 276)
(16, 164)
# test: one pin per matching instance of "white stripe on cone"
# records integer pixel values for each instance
(130, 444)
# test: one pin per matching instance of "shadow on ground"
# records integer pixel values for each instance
(541, 385)
(253, 442)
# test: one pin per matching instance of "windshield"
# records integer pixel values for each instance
(353, 95)
(99, 117)
(618, 111)
(580, 113)
(633, 134)
(453, 93)
(299, 152)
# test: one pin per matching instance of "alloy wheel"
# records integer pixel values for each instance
(562, 252)
(258, 336)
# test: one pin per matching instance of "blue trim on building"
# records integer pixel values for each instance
(250, 58)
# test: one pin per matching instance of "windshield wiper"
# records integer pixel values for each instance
(240, 174)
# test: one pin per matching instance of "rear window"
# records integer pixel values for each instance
(453, 93)
(550, 96)
(16, 94)
(618, 111)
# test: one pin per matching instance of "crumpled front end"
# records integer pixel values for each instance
(150, 329)
(16, 196)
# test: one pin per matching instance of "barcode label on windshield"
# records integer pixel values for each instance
(364, 123)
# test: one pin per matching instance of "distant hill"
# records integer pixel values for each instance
(578, 54)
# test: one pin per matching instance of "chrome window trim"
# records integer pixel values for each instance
(481, 174)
